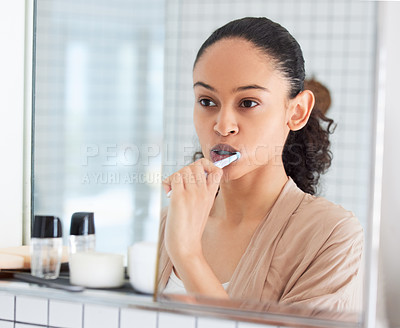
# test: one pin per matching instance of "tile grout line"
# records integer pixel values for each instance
(83, 315)
(157, 318)
(15, 309)
(119, 318)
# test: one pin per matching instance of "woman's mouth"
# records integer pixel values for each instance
(221, 151)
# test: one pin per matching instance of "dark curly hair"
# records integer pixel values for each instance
(306, 153)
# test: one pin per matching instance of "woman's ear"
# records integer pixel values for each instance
(300, 110)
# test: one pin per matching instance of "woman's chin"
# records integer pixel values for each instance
(229, 175)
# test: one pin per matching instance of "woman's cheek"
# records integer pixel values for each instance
(201, 131)
(261, 155)
(267, 150)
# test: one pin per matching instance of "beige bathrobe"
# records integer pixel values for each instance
(307, 251)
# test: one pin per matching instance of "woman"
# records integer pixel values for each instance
(253, 230)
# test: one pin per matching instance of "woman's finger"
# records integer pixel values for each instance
(171, 182)
(209, 166)
(166, 183)
(199, 172)
(214, 179)
(187, 177)
(213, 173)
(177, 183)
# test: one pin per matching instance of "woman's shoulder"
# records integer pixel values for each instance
(321, 206)
(317, 215)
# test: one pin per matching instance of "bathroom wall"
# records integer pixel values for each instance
(12, 36)
(29, 312)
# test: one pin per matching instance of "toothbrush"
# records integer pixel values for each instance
(221, 164)
(228, 160)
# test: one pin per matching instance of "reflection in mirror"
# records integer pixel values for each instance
(251, 235)
(98, 126)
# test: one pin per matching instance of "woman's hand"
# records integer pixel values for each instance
(191, 201)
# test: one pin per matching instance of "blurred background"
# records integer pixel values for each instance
(98, 116)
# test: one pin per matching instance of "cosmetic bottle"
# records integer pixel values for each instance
(82, 233)
(46, 247)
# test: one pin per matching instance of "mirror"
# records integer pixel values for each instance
(338, 39)
(105, 123)
(98, 116)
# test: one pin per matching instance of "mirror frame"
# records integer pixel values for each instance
(29, 104)
(370, 287)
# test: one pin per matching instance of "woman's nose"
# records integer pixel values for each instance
(226, 123)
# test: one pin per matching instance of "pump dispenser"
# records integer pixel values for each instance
(82, 233)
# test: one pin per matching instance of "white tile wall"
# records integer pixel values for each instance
(31, 309)
(97, 316)
(131, 318)
(214, 323)
(65, 314)
(6, 324)
(253, 325)
(39, 312)
(6, 306)
(168, 320)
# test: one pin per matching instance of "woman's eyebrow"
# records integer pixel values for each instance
(238, 89)
(204, 85)
(249, 87)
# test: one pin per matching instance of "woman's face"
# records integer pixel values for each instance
(240, 105)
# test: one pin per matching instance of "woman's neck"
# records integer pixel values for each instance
(250, 197)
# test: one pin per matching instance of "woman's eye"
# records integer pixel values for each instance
(207, 103)
(248, 103)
